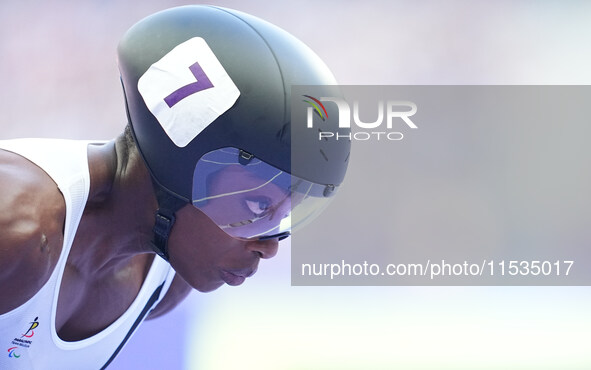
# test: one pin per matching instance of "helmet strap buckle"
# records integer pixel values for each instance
(165, 218)
(162, 228)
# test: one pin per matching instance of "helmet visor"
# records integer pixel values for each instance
(251, 199)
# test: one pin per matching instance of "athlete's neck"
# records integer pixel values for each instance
(119, 215)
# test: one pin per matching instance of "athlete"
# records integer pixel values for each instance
(209, 174)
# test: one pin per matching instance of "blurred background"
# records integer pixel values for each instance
(59, 78)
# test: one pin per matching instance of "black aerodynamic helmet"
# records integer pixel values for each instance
(208, 94)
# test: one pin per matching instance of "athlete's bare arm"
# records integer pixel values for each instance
(32, 215)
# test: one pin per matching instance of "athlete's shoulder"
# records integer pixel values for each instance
(32, 212)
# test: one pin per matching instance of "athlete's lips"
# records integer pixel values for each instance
(236, 277)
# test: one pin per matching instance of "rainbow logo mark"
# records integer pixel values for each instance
(317, 105)
(11, 352)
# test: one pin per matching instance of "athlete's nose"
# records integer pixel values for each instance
(264, 248)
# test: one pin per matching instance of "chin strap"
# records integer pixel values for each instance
(165, 218)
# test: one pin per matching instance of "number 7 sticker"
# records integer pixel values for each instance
(187, 89)
(202, 83)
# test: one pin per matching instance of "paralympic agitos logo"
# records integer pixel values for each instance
(387, 111)
(24, 341)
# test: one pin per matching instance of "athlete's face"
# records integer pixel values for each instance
(206, 257)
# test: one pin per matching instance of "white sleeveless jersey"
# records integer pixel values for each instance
(28, 338)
